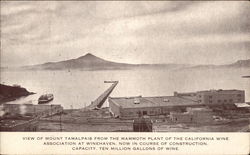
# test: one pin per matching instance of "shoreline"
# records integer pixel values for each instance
(11, 93)
(2, 101)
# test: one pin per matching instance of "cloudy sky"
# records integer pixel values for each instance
(132, 32)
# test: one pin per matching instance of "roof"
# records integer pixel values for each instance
(242, 105)
(160, 101)
(199, 109)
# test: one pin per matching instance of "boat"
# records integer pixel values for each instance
(246, 76)
(45, 98)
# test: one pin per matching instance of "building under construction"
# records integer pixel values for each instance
(134, 107)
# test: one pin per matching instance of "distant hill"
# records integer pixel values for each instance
(92, 62)
(237, 64)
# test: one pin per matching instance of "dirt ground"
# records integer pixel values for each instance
(84, 121)
(102, 121)
(233, 126)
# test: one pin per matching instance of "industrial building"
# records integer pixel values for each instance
(221, 96)
(216, 96)
(243, 106)
(133, 107)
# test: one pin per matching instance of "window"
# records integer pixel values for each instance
(231, 100)
(210, 101)
(219, 101)
(239, 95)
(210, 96)
(225, 100)
(144, 113)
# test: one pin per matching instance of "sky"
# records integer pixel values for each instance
(193, 32)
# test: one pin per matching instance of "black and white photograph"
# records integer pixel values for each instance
(125, 66)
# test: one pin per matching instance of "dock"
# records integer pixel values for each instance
(97, 104)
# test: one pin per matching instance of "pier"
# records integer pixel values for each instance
(97, 104)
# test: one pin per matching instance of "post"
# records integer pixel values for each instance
(71, 106)
(51, 111)
(61, 121)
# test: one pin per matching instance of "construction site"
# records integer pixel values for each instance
(201, 111)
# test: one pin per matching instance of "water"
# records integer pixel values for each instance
(76, 89)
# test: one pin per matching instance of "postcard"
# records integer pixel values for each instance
(131, 77)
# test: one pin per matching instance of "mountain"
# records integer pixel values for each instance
(92, 62)
(86, 62)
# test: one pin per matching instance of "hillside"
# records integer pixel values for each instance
(8, 93)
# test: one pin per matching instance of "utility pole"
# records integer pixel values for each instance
(51, 111)
(71, 106)
(61, 121)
